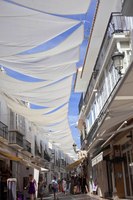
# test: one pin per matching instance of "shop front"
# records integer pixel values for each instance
(119, 163)
(99, 176)
(127, 151)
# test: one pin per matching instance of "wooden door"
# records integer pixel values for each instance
(119, 179)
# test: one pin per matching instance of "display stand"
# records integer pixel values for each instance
(11, 188)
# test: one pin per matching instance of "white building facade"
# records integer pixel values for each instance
(24, 150)
(105, 109)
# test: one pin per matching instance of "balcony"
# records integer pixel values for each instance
(116, 30)
(16, 139)
(27, 148)
(38, 153)
(3, 132)
(52, 166)
(62, 163)
(46, 156)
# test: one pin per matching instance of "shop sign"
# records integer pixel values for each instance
(97, 159)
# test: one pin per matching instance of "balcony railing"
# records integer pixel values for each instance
(52, 166)
(116, 25)
(15, 138)
(37, 151)
(3, 131)
(46, 156)
(92, 132)
(27, 146)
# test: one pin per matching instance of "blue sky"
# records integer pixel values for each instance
(86, 19)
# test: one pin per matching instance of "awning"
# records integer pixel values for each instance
(74, 164)
(9, 156)
(44, 169)
(97, 159)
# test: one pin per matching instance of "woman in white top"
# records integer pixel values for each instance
(64, 185)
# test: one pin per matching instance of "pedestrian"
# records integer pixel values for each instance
(55, 187)
(95, 187)
(41, 188)
(64, 185)
(32, 187)
(84, 185)
(59, 185)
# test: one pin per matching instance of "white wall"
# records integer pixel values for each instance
(4, 111)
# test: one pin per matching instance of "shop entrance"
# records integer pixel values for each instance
(4, 175)
(109, 175)
(128, 172)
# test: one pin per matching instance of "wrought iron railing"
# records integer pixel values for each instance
(92, 131)
(3, 131)
(117, 24)
(16, 138)
(46, 156)
(27, 146)
(37, 151)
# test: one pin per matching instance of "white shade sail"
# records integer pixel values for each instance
(41, 26)
(14, 85)
(27, 27)
(58, 72)
(58, 90)
(63, 7)
(72, 41)
(36, 115)
(70, 56)
(44, 101)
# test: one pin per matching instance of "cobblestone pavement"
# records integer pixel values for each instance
(73, 197)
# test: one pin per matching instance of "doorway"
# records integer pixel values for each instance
(128, 172)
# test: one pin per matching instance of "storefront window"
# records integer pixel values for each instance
(126, 175)
(131, 171)
(128, 167)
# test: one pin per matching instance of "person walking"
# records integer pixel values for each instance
(64, 185)
(55, 187)
(32, 187)
(41, 188)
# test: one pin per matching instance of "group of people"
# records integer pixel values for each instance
(59, 186)
(32, 187)
(78, 185)
(75, 185)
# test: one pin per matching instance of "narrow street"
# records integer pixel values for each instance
(66, 99)
(73, 197)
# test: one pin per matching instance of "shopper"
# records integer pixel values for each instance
(55, 187)
(64, 185)
(41, 188)
(32, 187)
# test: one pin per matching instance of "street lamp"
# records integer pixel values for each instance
(117, 58)
(74, 147)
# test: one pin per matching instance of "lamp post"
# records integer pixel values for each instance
(117, 58)
(74, 147)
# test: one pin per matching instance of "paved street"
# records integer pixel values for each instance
(73, 197)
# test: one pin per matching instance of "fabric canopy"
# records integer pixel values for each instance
(42, 79)
(64, 7)
(67, 57)
(9, 156)
(41, 26)
(72, 41)
(74, 164)
(58, 72)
